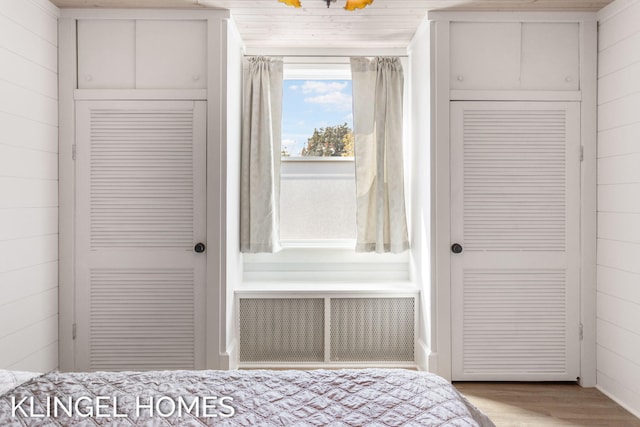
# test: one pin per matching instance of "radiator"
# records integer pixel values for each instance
(327, 330)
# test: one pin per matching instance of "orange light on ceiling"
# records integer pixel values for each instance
(294, 3)
(351, 4)
(357, 4)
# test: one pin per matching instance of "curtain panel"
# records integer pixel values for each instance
(378, 86)
(260, 155)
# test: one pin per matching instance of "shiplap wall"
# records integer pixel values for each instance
(618, 298)
(28, 185)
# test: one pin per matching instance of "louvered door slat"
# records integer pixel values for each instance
(516, 172)
(526, 324)
(141, 209)
(126, 324)
(514, 177)
(133, 174)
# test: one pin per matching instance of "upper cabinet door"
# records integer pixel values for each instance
(550, 56)
(106, 54)
(485, 56)
(143, 54)
(171, 54)
(515, 56)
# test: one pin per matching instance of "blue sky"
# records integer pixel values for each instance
(309, 104)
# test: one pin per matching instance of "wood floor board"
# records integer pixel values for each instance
(545, 405)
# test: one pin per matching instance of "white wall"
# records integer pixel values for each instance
(234, 127)
(618, 297)
(420, 89)
(28, 185)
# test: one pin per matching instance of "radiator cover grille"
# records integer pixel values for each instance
(372, 329)
(284, 330)
(280, 330)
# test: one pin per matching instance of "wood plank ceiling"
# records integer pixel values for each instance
(268, 26)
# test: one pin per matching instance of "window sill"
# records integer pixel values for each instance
(339, 244)
(326, 265)
(324, 288)
(324, 159)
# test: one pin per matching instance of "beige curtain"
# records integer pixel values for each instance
(260, 169)
(378, 86)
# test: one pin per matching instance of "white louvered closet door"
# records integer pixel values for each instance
(515, 186)
(140, 207)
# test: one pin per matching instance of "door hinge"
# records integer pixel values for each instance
(73, 151)
(73, 331)
(581, 331)
(582, 153)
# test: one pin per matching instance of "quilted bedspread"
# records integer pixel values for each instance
(368, 397)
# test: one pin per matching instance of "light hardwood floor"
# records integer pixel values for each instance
(545, 404)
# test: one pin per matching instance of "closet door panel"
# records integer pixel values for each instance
(515, 185)
(141, 208)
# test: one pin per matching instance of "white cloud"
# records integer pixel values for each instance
(332, 100)
(314, 86)
(294, 87)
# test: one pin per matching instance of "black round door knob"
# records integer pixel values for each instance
(456, 248)
(199, 248)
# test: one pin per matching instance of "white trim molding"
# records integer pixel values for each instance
(67, 82)
(138, 94)
(588, 200)
(482, 16)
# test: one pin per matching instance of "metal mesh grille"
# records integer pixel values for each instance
(282, 330)
(372, 329)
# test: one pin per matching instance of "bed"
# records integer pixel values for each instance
(363, 397)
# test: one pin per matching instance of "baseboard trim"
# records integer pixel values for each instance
(425, 359)
(620, 402)
(229, 360)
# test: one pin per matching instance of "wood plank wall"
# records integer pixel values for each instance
(28, 185)
(618, 296)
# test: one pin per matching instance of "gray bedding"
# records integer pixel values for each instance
(368, 397)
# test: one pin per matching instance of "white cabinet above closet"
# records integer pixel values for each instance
(142, 54)
(515, 56)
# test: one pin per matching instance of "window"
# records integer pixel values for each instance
(317, 187)
(317, 119)
(317, 193)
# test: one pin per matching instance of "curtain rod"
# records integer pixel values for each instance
(329, 56)
(328, 52)
(333, 56)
